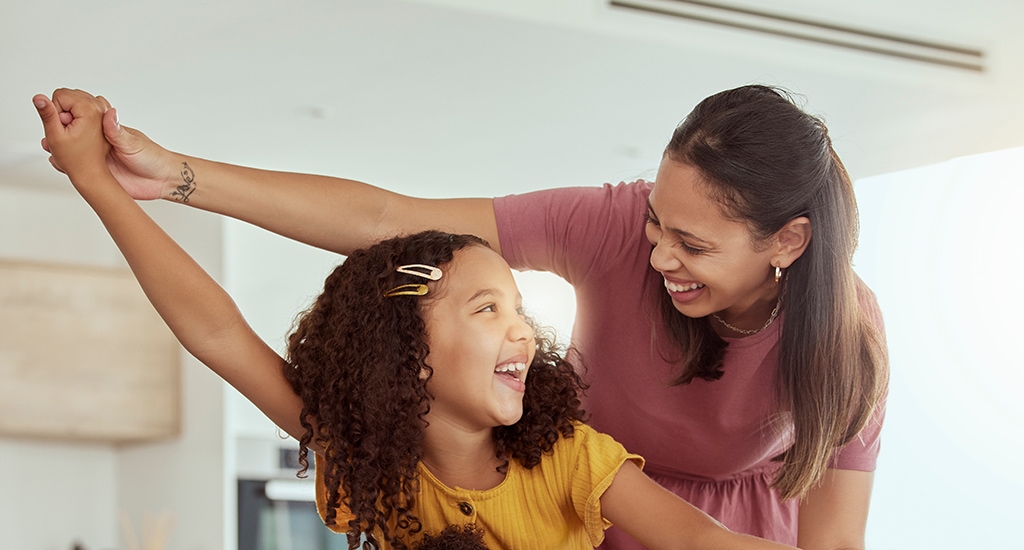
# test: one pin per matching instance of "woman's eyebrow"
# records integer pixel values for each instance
(674, 230)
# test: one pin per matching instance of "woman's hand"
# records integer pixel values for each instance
(141, 167)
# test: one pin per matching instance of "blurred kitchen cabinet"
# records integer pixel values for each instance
(83, 356)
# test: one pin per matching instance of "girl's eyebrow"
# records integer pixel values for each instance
(483, 292)
(674, 230)
(492, 292)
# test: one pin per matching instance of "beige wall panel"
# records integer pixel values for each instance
(84, 356)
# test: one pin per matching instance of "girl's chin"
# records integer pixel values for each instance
(511, 418)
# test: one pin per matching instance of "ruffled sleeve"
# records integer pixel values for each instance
(598, 459)
(343, 514)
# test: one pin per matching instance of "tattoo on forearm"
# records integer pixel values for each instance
(185, 190)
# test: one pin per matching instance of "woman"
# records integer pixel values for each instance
(726, 337)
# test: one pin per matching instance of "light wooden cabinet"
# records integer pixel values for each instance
(84, 356)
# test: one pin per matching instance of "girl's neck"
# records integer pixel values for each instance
(460, 458)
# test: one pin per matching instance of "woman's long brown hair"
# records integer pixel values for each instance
(768, 162)
(356, 358)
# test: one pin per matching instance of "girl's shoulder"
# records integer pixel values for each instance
(588, 447)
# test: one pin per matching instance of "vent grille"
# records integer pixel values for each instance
(926, 51)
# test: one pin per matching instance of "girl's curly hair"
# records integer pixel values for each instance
(454, 537)
(355, 359)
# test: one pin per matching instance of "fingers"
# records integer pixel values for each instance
(46, 147)
(47, 112)
(57, 168)
(73, 104)
(72, 126)
(112, 128)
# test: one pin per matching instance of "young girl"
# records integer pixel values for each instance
(414, 377)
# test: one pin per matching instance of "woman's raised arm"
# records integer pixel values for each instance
(332, 213)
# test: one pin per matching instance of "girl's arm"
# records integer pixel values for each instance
(199, 312)
(331, 213)
(661, 520)
(834, 514)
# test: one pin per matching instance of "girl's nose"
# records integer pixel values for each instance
(521, 330)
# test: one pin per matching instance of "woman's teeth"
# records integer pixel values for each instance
(673, 287)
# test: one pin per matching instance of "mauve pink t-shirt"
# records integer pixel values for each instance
(709, 442)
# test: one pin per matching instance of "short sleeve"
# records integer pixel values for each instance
(862, 452)
(574, 232)
(598, 458)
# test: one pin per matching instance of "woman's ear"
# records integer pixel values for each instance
(791, 241)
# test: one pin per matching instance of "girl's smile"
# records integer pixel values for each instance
(480, 343)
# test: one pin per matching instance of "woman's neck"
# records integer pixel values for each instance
(460, 458)
(754, 316)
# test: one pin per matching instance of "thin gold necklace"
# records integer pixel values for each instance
(771, 318)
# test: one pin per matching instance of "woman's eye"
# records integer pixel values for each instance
(691, 250)
(649, 218)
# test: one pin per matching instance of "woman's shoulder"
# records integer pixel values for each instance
(868, 302)
(570, 199)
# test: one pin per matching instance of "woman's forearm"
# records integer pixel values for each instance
(331, 213)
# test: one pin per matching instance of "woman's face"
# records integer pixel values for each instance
(480, 344)
(709, 262)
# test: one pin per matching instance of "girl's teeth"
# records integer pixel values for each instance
(511, 367)
(682, 288)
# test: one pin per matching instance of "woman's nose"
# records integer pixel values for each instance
(662, 258)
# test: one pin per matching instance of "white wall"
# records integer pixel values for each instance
(54, 493)
(941, 247)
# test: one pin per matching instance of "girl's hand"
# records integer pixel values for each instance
(142, 167)
(72, 121)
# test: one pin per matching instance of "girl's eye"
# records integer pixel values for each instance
(520, 311)
(490, 308)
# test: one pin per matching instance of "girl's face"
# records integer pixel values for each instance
(480, 344)
(709, 262)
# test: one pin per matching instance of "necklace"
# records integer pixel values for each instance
(771, 318)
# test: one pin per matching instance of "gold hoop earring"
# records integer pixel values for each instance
(778, 274)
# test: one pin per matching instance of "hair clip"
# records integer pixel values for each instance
(426, 271)
(406, 290)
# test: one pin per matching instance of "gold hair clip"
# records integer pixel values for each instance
(428, 272)
(406, 290)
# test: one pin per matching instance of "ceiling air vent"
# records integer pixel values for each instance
(926, 51)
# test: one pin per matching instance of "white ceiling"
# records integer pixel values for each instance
(442, 97)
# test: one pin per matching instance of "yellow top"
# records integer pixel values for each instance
(555, 504)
